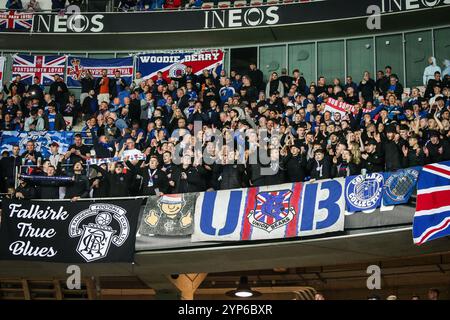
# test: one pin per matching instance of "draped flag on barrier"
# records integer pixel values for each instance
(77, 67)
(398, 186)
(169, 215)
(99, 161)
(63, 231)
(42, 67)
(41, 139)
(174, 65)
(363, 192)
(281, 211)
(432, 216)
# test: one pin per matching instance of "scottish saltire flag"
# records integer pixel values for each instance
(77, 67)
(363, 192)
(270, 212)
(398, 186)
(14, 20)
(174, 65)
(432, 216)
(42, 140)
(43, 67)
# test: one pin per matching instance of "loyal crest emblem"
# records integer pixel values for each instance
(400, 183)
(96, 238)
(272, 210)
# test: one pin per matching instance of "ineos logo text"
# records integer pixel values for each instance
(233, 18)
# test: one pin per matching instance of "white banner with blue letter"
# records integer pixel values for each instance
(272, 212)
(399, 185)
(363, 192)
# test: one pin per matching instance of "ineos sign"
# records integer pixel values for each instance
(234, 18)
(77, 23)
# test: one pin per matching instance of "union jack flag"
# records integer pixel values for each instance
(432, 217)
(43, 67)
(13, 20)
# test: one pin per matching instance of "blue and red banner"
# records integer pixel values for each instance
(43, 67)
(78, 66)
(432, 216)
(174, 65)
(14, 20)
(270, 212)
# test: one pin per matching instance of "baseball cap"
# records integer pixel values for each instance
(54, 144)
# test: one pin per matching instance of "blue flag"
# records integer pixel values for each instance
(399, 185)
(363, 192)
(77, 67)
(41, 139)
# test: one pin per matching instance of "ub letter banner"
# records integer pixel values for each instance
(169, 215)
(398, 186)
(63, 231)
(270, 212)
(432, 216)
(363, 192)
(78, 66)
(174, 65)
(42, 67)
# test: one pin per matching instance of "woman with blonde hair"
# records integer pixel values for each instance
(355, 151)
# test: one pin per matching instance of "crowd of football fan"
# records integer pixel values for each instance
(154, 119)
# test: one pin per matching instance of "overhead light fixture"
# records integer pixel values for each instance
(243, 290)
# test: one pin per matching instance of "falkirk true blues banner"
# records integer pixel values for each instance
(363, 192)
(432, 216)
(41, 139)
(169, 215)
(398, 186)
(42, 67)
(174, 65)
(64, 231)
(282, 211)
(78, 66)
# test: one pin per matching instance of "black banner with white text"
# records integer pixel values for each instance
(63, 231)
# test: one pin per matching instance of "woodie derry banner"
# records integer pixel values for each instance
(63, 231)
(282, 211)
(174, 65)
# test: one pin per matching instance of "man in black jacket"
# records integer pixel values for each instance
(189, 178)
(49, 189)
(59, 90)
(25, 191)
(154, 180)
(320, 166)
(119, 180)
(371, 159)
(436, 150)
(295, 163)
(256, 76)
(79, 187)
(9, 166)
(392, 152)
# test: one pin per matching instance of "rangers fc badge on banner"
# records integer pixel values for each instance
(363, 192)
(96, 238)
(398, 186)
(272, 210)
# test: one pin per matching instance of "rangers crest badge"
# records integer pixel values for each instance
(272, 210)
(96, 238)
